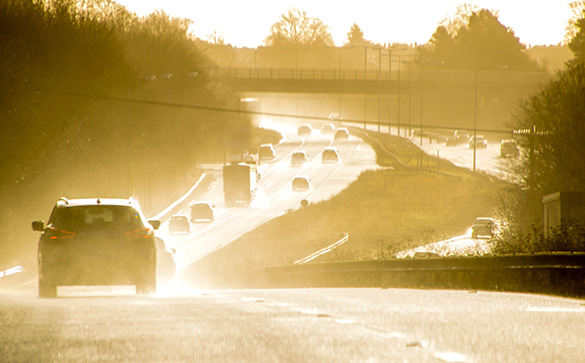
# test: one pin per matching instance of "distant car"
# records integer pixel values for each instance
(335, 117)
(425, 254)
(462, 135)
(450, 141)
(301, 183)
(267, 152)
(327, 129)
(330, 155)
(341, 134)
(97, 241)
(179, 224)
(299, 157)
(166, 267)
(509, 148)
(458, 137)
(201, 211)
(249, 158)
(305, 130)
(479, 141)
(483, 227)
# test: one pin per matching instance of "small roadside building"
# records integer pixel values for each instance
(561, 207)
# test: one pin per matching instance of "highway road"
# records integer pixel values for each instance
(181, 323)
(275, 195)
(303, 325)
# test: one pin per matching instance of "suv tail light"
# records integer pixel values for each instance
(54, 233)
(140, 233)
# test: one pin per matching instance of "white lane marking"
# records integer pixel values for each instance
(252, 299)
(554, 309)
(344, 321)
(451, 357)
(448, 357)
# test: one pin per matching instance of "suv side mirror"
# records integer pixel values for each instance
(154, 223)
(38, 226)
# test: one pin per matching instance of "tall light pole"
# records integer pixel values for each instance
(389, 88)
(399, 95)
(365, 79)
(409, 101)
(475, 110)
(379, 85)
(339, 79)
(422, 62)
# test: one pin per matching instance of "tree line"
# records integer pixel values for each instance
(86, 95)
(473, 38)
(550, 125)
(551, 130)
(58, 58)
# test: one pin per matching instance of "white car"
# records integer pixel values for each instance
(305, 129)
(341, 134)
(327, 129)
(201, 211)
(479, 141)
(179, 224)
(301, 183)
(509, 148)
(483, 227)
(299, 157)
(330, 155)
(267, 152)
(335, 117)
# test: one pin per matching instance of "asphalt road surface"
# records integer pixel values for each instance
(275, 195)
(304, 325)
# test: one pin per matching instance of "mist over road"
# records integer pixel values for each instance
(324, 325)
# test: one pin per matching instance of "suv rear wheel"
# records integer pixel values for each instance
(47, 288)
(147, 284)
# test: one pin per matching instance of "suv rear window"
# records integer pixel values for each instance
(92, 217)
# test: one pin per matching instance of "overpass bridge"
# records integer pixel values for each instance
(360, 81)
(413, 96)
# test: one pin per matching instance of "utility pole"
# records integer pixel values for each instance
(379, 86)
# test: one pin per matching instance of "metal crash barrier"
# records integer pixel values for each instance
(552, 273)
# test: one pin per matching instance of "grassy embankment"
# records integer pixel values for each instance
(383, 211)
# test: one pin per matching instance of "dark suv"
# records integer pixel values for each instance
(96, 242)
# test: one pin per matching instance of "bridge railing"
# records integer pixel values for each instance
(304, 73)
(329, 74)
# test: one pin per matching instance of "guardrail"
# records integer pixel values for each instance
(309, 74)
(361, 74)
(11, 271)
(323, 251)
(365, 135)
(553, 273)
(179, 203)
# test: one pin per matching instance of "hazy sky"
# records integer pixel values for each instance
(246, 23)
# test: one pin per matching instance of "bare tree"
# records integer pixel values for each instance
(296, 28)
(216, 38)
(578, 10)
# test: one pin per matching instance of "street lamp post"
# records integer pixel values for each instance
(423, 61)
(389, 88)
(379, 85)
(399, 96)
(409, 100)
(421, 98)
(365, 80)
(475, 111)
